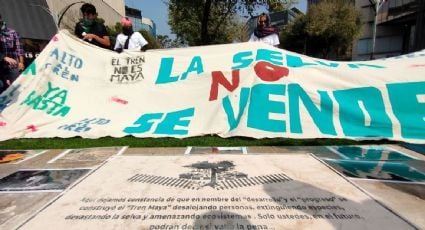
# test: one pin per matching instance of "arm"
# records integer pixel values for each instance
(19, 51)
(104, 40)
(10, 61)
(143, 43)
(118, 47)
(99, 35)
(104, 37)
(21, 65)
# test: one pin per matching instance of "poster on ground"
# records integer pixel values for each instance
(40, 180)
(18, 156)
(85, 156)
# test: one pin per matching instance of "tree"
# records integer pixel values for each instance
(237, 31)
(166, 42)
(206, 22)
(295, 36)
(327, 30)
(211, 171)
(113, 33)
(152, 42)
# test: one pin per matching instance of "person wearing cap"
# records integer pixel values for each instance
(90, 30)
(128, 39)
(264, 32)
(11, 55)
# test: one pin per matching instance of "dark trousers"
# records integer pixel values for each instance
(5, 75)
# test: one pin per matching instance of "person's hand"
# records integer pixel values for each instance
(12, 62)
(21, 66)
(89, 37)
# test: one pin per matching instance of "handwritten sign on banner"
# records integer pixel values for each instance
(245, 89)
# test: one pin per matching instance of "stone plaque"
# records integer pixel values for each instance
(294, 191)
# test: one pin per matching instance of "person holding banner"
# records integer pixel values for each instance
(11, 55)
(128, 39)
(90, 30)
(264, 32)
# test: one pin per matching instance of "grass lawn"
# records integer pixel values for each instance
(64, 143)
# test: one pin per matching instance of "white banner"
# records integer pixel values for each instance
(245, 89)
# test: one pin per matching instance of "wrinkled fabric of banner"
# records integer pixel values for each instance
(244, 89)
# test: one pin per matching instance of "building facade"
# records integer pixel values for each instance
(149, 25)
(310, 2)
(399, 29)
(140, 22)
(136, 17)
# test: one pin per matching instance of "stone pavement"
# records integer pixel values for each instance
(406, 199)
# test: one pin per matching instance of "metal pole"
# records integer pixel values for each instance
(372, 53)
(378, 4)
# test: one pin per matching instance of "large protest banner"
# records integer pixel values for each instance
(245, 89)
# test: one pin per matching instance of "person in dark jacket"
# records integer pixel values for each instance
(90, 30)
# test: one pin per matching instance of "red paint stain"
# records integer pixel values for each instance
(418, 65)
(119, 100)
(32, 128)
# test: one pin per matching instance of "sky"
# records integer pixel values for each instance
(157, 11)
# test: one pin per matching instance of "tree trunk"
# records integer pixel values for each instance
(204, 24)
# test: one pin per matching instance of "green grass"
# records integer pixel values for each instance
(63, 143)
